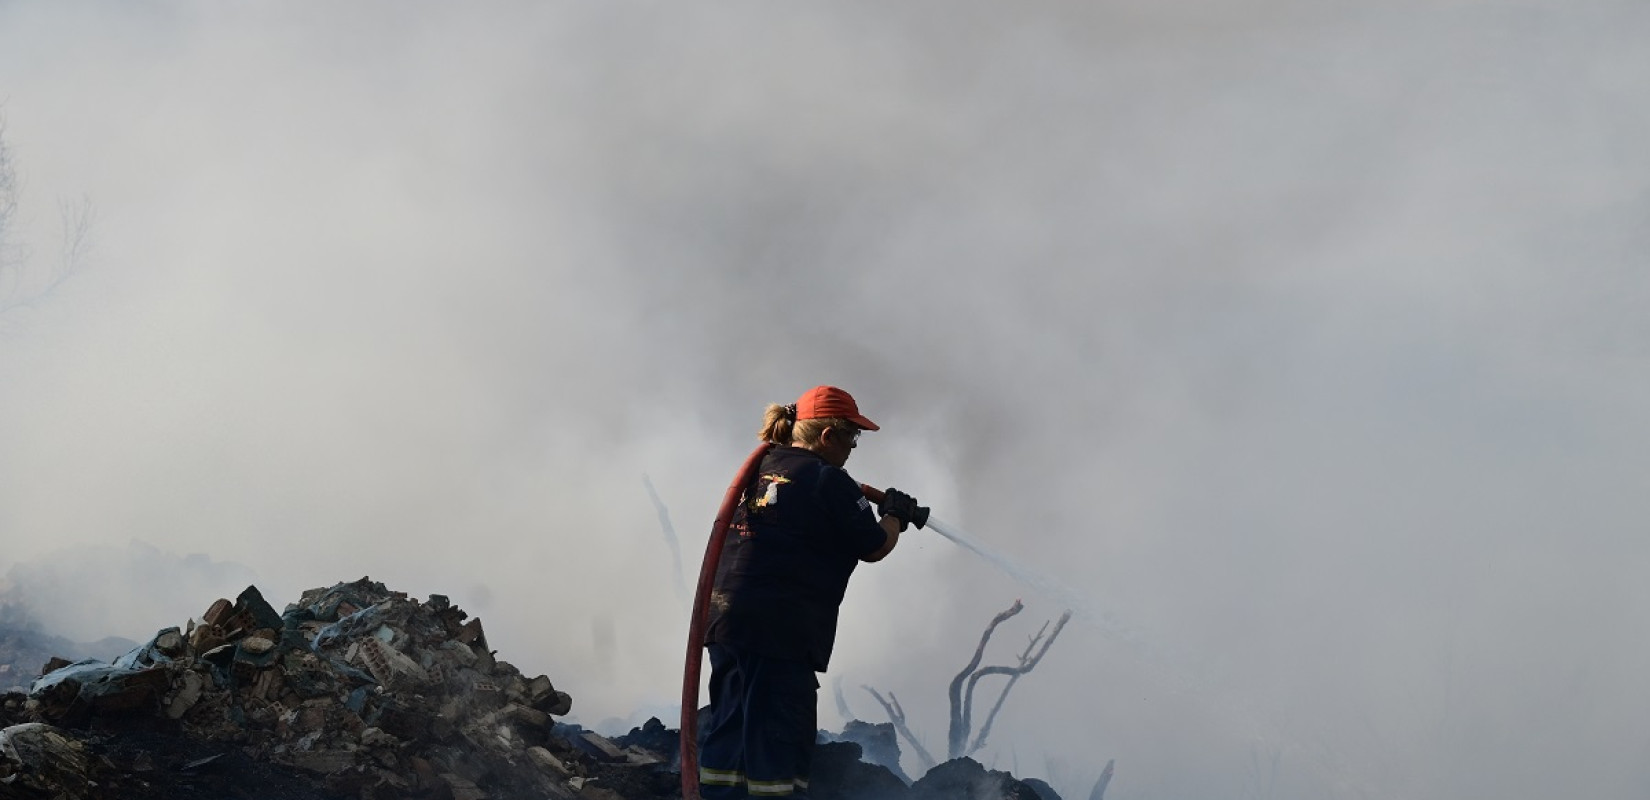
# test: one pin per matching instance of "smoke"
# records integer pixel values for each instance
(1303, 339)
(91, 591)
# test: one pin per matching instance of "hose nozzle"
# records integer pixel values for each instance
(875, 495)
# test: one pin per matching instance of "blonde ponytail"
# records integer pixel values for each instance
(777, 424)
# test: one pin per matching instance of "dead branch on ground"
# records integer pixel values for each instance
(967, 681)
(896, 715)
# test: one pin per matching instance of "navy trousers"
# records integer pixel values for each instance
(759, 739)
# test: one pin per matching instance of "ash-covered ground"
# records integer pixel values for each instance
(358, 691)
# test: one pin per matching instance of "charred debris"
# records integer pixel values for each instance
(358, 691)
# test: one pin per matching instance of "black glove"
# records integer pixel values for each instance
(900, 506)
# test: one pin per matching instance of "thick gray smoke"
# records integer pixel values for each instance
(1306, 340)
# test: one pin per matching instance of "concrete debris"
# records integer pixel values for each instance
(187, 694)
(547, 760)
(357, 691)
(593, 791)
(462, 789)
(39, 760)
(368, 689)
(604, 748)
(71, 694)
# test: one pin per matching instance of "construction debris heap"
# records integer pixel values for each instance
(367, 689)
(357, 691)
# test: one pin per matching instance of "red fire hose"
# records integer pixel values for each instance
(701, 605)
(696, 626)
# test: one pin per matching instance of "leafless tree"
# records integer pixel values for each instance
(8, 203)
(18, 287)
(964, 685)
(962, 701)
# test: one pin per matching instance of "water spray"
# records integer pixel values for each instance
(1081, 607)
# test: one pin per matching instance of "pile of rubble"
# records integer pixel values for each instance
(357, 691)
(373, 693)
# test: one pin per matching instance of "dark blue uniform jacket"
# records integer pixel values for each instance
(791, 546)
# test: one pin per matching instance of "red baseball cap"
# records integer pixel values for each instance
(821, 402)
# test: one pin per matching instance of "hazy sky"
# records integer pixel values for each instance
(1308, 341)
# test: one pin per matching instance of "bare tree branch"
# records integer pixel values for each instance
(1028, 662)
(8, 181)
(8, 207)
(841, 700)
(974, 680)
(17, 287)
(1099, 791)
(670, 539)
(957, 734)
(77, 217)
(896, 715)
(967, 681)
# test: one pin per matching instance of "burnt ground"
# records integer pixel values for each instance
(136, 759)
(140, 758)
(148, 765)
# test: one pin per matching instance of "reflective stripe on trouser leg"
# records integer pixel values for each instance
(722, 731)
(720, 777)
(762, 722)
(790, 788)
(772, 788)
(780, 710)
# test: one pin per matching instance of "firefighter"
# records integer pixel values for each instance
(790, 548)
